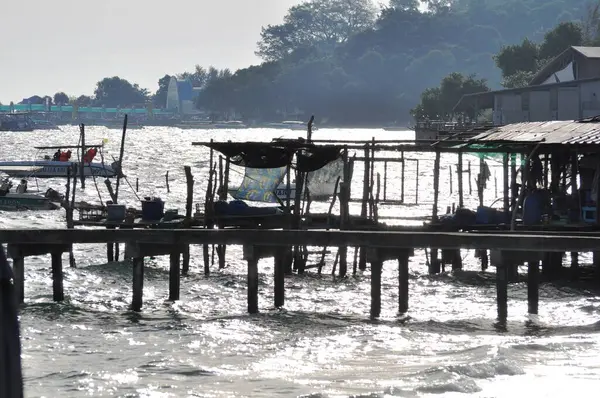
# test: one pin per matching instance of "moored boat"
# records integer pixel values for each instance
(290, 125)
(54, 168)
(27, 201)
(232, 124)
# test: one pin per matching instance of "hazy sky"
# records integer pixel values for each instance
(69, 45)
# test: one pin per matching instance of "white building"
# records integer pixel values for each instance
(567, 88)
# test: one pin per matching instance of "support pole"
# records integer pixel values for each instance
(533, 286)
(57, 277)
(19, 279)
(376, 268)
(138, 284)
(403, 283)
(279, 277)
(81, 161)
(502, 292)
(252, 260)
(174, 275)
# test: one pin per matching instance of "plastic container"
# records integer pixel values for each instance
(532, 209)
(115, 212)
(588, 214)
(152, 210)
(485, 215)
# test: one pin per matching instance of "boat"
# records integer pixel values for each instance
(15, 201)
(27, 201)
(291, 125)
(54, 168)
(232, 124)
(16, 122)
(44, 125)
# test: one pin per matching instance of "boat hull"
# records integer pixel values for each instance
(54, 169)
(26, 201)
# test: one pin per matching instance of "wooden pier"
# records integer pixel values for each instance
(382, 246)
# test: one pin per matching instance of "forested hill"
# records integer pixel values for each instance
(350, 63)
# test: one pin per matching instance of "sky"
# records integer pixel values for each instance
(69, 45)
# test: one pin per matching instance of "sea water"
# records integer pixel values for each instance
(322, 343)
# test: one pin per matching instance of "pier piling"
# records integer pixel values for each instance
(252, 259)
(376, 268)
(174, 275)
(138, 283)
(533, 285)
(403, 284)
(279, 277)
(502, 292)
(57, 277)
(19, 278)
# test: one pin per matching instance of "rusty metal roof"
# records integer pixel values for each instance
(552, 132)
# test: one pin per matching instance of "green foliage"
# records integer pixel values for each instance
(83, 100)
(60, 98)
(315, 23)
(114, 91)
(160, 97)
(565, 35)
(518, 57)
(437, 103)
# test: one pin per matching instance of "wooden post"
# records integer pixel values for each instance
(279, 277)
(174, 275)
(57, 277)
(459, 171)
(470, 178)
(189, 202)
(376, 268)
(208, 212)
(167, 181)
(110, 256)
(434, 265)
(505, 184)
(252, 260)
(402, 177)
(450, 176)
(121, 151)
(417, 184)
(502, 292)
(138, 283)
(403, 283)
(533, 285)
(344, 208)
(385, 165)
(19, 278)
(137, 184)
(81, 161)
(513, 181)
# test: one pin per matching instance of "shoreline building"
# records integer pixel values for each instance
(567, 88)
(181, 96)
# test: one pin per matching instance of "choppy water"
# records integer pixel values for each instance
(321, 344)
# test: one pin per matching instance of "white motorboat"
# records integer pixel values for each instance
(290, 125)
(54, 168)
(233, 124)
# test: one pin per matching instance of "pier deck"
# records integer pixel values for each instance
(259, 243)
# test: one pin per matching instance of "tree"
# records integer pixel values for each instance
(61, 98)
(160, 97)
(438, 102)
(316, 23)
(518, 57)
(84, 100)
(563, 36)
(198, 77)
(114, 91)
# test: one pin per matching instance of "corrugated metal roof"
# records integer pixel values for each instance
(588, 52)
(552, 132)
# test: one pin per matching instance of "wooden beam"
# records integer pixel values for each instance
(393, 239)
